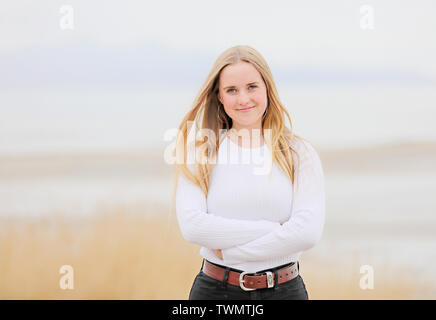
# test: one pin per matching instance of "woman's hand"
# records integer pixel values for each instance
(218, 253)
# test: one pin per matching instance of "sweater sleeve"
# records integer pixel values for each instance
(304, 228)
(212, 231)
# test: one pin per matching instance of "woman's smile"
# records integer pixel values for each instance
(246, 109)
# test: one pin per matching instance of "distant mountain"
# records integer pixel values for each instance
(93, 66)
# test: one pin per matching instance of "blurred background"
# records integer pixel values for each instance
(89, 92)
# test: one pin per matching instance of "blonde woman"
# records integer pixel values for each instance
(248, 190)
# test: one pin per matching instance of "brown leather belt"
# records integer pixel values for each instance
(248, 280)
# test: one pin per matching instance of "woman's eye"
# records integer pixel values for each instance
(251, 86)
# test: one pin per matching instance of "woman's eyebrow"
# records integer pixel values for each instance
(234, 86)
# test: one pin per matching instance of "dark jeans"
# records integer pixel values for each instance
(207, 288)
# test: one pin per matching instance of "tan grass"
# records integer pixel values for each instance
(122, 254)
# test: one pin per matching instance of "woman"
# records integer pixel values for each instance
(252, 218)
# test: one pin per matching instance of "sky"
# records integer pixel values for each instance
(143, 41)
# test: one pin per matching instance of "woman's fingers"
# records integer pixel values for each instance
(218, 253)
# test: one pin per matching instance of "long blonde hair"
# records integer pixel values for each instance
(208, 109)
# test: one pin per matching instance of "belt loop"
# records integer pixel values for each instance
(276, 278)
(226, 276)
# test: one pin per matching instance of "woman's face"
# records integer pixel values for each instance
(240, 87)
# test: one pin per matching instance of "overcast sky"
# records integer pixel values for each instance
(313, 35)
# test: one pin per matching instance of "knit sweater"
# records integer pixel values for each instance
(247, 203)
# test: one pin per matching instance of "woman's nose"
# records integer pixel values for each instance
(243, 98)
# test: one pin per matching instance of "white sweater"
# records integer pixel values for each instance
(245, 206)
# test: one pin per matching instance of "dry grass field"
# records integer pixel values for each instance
(121, 254)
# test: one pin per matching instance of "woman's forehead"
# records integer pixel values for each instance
(239, 74)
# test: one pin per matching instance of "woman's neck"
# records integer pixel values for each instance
(248, 138)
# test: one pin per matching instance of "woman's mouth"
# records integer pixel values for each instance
(246, 109)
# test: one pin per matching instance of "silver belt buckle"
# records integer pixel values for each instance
(241, 281)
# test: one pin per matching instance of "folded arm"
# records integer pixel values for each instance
(304, 228)
(209, 230)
